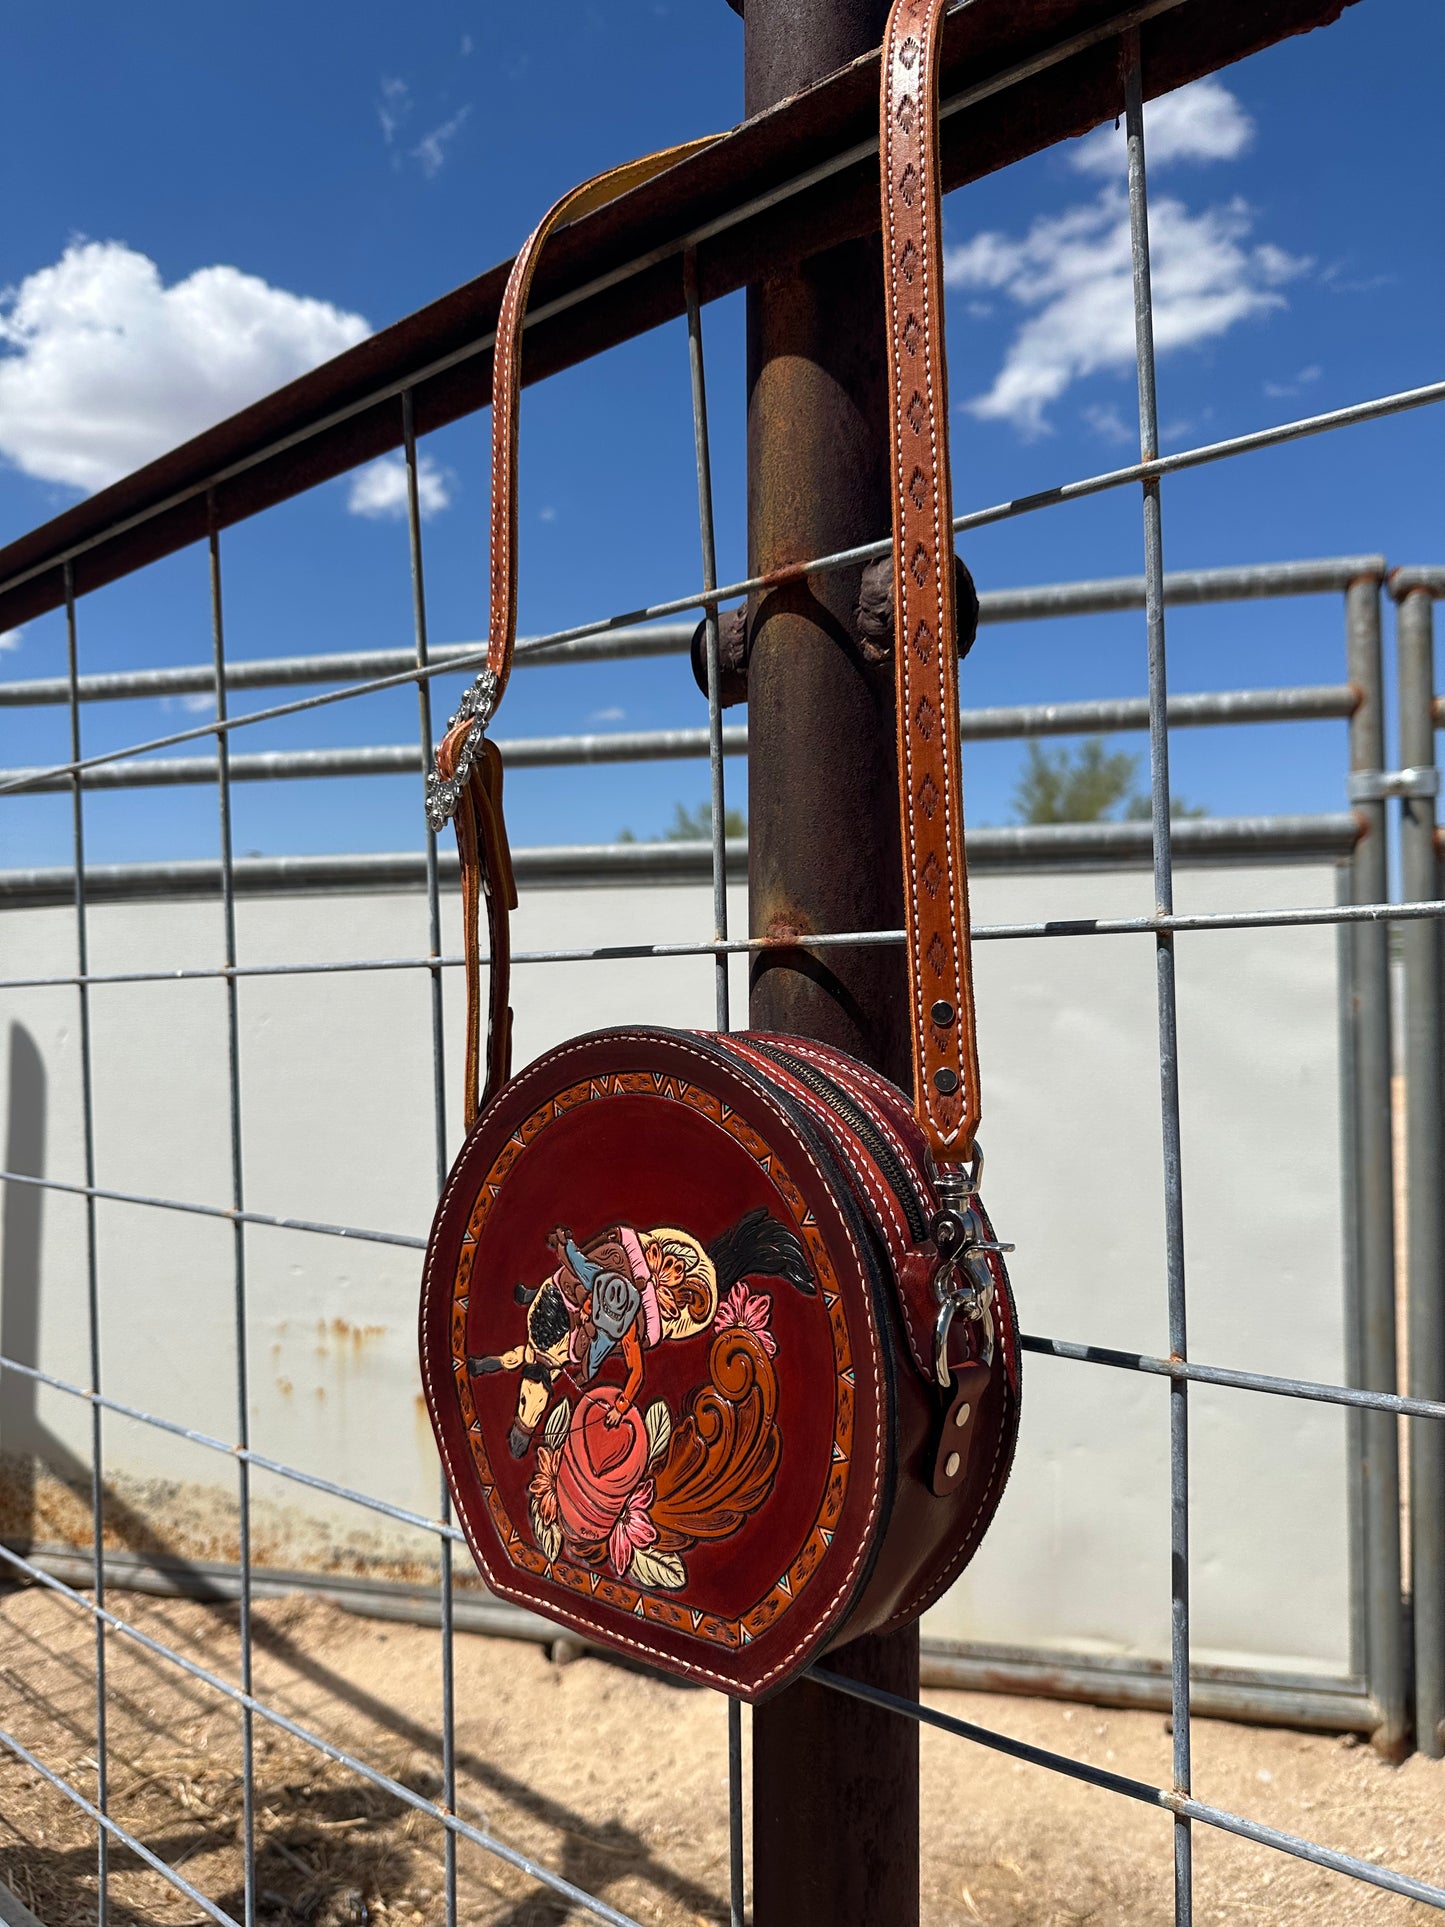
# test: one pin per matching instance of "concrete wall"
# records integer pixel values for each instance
(337, 1094)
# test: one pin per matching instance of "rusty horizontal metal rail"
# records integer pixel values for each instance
(1320, 576)
(789, 182)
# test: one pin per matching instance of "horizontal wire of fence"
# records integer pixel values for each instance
(248, 1702)
(1146, 472)
(1181, 1806)
(1284, 918)
(1227, 1377)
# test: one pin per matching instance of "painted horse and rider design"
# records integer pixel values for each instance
(621, 1483)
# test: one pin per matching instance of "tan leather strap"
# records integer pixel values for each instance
(467, 783)
(486, 862)
(468, 773)
(940, 967)
(507, 379)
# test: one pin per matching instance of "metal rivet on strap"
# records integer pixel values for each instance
(951, 1465)
(943, 1013)
(962, 1415)
(945, 1081)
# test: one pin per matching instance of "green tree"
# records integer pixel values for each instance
(1090, 784)
(693, 826)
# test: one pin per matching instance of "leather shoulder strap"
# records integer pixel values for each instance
(940, 968)
(467, 781)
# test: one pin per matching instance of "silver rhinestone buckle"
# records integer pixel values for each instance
(443, 793)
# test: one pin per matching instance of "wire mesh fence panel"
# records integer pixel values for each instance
(257, 1012)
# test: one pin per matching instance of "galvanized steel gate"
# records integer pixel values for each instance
(415, 381)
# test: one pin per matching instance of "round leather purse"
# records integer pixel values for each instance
(716, 1336)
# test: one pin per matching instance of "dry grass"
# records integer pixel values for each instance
(616, 1781)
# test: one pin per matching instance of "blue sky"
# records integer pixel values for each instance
(202, 201)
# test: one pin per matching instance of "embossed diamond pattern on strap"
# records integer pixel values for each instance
(945, 1055)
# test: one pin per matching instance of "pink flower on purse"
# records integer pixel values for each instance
(752, 1310)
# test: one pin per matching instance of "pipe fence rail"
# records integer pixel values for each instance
(1399, 1692)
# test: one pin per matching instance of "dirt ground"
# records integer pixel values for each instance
(617, 1781)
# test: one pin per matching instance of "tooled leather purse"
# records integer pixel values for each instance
(716, 1337)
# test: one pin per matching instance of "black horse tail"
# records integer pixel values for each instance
(758, 1246)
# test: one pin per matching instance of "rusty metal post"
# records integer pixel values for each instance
(835, 1782)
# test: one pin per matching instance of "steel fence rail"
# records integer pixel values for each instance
(1146, 472)
(1189, 586)
(1404, 581)
(279, 672)
(1041, 846)
(1210, 708)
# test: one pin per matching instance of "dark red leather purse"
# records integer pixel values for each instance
(716, 1337)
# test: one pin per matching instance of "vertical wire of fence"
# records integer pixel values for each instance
(1161, 821)
(238, 1228)
(439, 1102)
(92, 1268)
(718, 857)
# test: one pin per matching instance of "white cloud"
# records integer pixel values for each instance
(430, 150)
(1339, 280)
(468, 45)
(103, 367)
(200, 702)
(379, 490)
(1109, 424)
(1201, 122)
(1072, 274)
(612, 714)
(1279, 389)
(10, 639)
(393, 107)
(548, 514)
